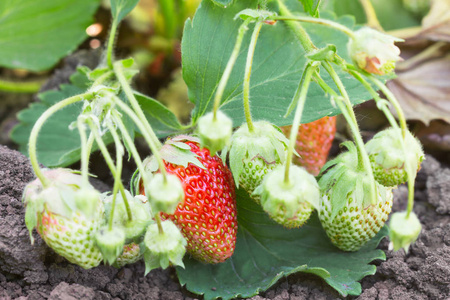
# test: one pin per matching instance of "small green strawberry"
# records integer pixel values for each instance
(388, 158)
(140, 211)
(289, 203)
(165, 193)
(347, 211)
(403, 230)
(215, 133)
(253, 154)
(163, 248)
(65, 228)
(110, 243)
(131, 253)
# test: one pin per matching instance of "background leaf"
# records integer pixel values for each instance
(266, 251)
(277, 67)
(223, 3)
(310, 6)
(57, 145)
(121, 8)
(35, 34)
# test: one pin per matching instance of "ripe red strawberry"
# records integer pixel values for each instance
(207, 217)
(313, 143)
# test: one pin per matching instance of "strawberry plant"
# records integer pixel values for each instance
(222, 196)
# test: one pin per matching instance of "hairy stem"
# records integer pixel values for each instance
(324, 22)
(38, 125)
(371, 15)
(111, 40)
(248, 72)
(300, 98)
(296, 28)
(390, 96)
(84, 153)
(227, 72)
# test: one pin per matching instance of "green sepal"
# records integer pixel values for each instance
(326, 53)
(403, 230)
(110, 243)
(255, 14)
(164, 193)
(175, 153)
(163, 248)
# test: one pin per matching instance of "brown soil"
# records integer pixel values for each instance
(35, 272)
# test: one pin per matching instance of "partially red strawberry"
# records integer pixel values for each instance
(207, 217)
(313, 143)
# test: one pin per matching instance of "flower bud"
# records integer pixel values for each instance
(403, 230)
(215, 133)
(165, 194)
(162, 248)
(373, 51)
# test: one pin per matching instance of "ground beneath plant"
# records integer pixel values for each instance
(35, 272)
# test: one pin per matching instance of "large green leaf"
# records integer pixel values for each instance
(35, 34)
(265, 252)
(57, 145)
(277, 67)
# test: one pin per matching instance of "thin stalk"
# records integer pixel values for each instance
(301, 93)
(109, 162)
(381, 103)
(371, 15)
(90, 143)
(137, 159)
(101, 79)
(346, 109)
(84, 153)
(38, 125)
(248, 72)
(21, 87)
(111, 40)
(394, 101)
(297, 29)
(117, 177)
(145, 134)
(135, 105)
(168, 11)
(227, 72)
(324, 22)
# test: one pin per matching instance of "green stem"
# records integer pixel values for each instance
(108, 160)
(117, 178)
(101, 79)
(300, 97)
(111, 40)
(297, 29)
(168, 11)
(248, 72)
(394, 102)
(21, 87)
(135, 105)
(90, 143)
(38, 125)
(371, 15)
(145, 133)
(227, 72)
(381, 103)
(324, 22)
(84, 153)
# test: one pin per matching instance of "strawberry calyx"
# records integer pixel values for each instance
(341, 177)
(265, 142)
(404, 230)
(165, 193)
(289, 203)
(214, 131)
(110, 243)
(163, 248)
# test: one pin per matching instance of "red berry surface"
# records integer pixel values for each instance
(207, 218)
(313, 143)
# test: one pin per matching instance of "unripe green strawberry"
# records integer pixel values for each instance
(403, 230)
(388, 158)
(289, 203)
(313, 143)
(349, 212)
(65, 228)
(418, 7)
(215, 133)
(165, 193)
(131, 253)
(253, 154)
(110, 243)
(163, 248)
